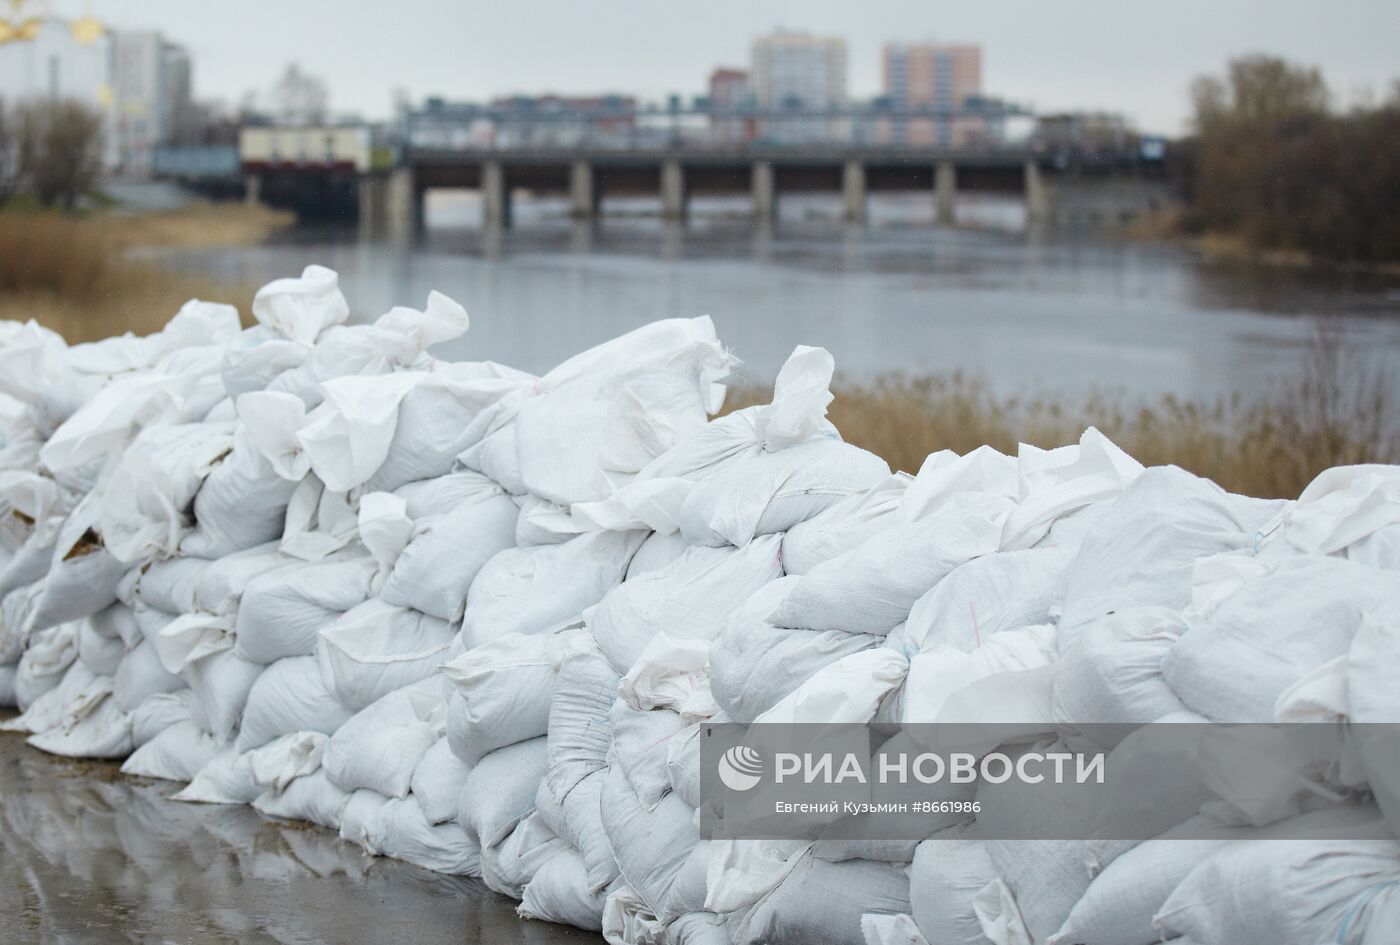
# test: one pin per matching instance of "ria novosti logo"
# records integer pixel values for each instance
(740, 768)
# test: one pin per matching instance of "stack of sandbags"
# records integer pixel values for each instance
(476, 620)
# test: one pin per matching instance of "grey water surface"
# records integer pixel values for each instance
(1028, 311)
(91, 857)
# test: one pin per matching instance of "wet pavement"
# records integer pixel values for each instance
(88, 855)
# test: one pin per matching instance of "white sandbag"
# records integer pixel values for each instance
(871, 588)
(301, 308)
(669, 674)
(772, 492)
(656, 552)
(166, 587)
(530, 590)
(938, 672)
(1348, 510)
(604, 414)
(400, 830)
(510, 865)
(360, 808)
(15, 629)
(1113, 671)
(286, 758)
(282, 611)
(256, 357)
(500, 790)
(118, 622)
(1053, 484)
(97, 730)
(641, 748)
(496, 458)
(426, 498)
(176, 754)
(578, 728)
(242, 503)
(542, 522)
(146, 501)
(690, 599)
(45, 662)
(820, 902)
(578, 818)
(220, 684)
(320, 521)
(347, 437)
(83, 574)
(1282, 891)
(650, 846)
(560, 893)
(848, 690)
(948, 871)
(1234, 662)
(219, 587)
(987, 595)
(434, 572)
(77, 692)
(311, 797)
(377, 648)
(440, 417)
(98, 653)
(141, 676)
(289, 696)
(506, 688)
(844, 525)
(380, 745)
(437, 782)
(1140, 553)
(1045, 877)
(885, 929)
(158, 712)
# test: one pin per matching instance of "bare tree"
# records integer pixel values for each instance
(299, 99)
(60, 150)
(9, 154)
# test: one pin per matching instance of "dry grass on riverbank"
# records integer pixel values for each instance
(71, 274)
(1330, 415)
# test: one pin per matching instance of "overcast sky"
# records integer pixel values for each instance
(1133, 56)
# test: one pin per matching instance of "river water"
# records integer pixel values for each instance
(90, 857)
(1027, 311)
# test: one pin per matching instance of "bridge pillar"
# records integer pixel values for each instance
(673, 198)
(1038, 209)
(252, 189)
(945, 187)
(403, 203)
(371, 190)
(853, 191)
(583, 195)
(495, 195)
(765, 195)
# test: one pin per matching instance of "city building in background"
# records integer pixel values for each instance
(151, 81)
(730, 92)
(933, 76)
(799, 72)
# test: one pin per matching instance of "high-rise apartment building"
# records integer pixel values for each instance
(799, 72)
(730, 93)
(933, 76)
(150, 93)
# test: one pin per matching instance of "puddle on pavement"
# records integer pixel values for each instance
(90, 856)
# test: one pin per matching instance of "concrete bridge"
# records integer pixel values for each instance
(393, 200)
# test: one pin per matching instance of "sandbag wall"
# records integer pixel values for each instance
(474, 619)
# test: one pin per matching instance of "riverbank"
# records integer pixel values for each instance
(1270, 448)
(1167, 226)
(75, 274)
